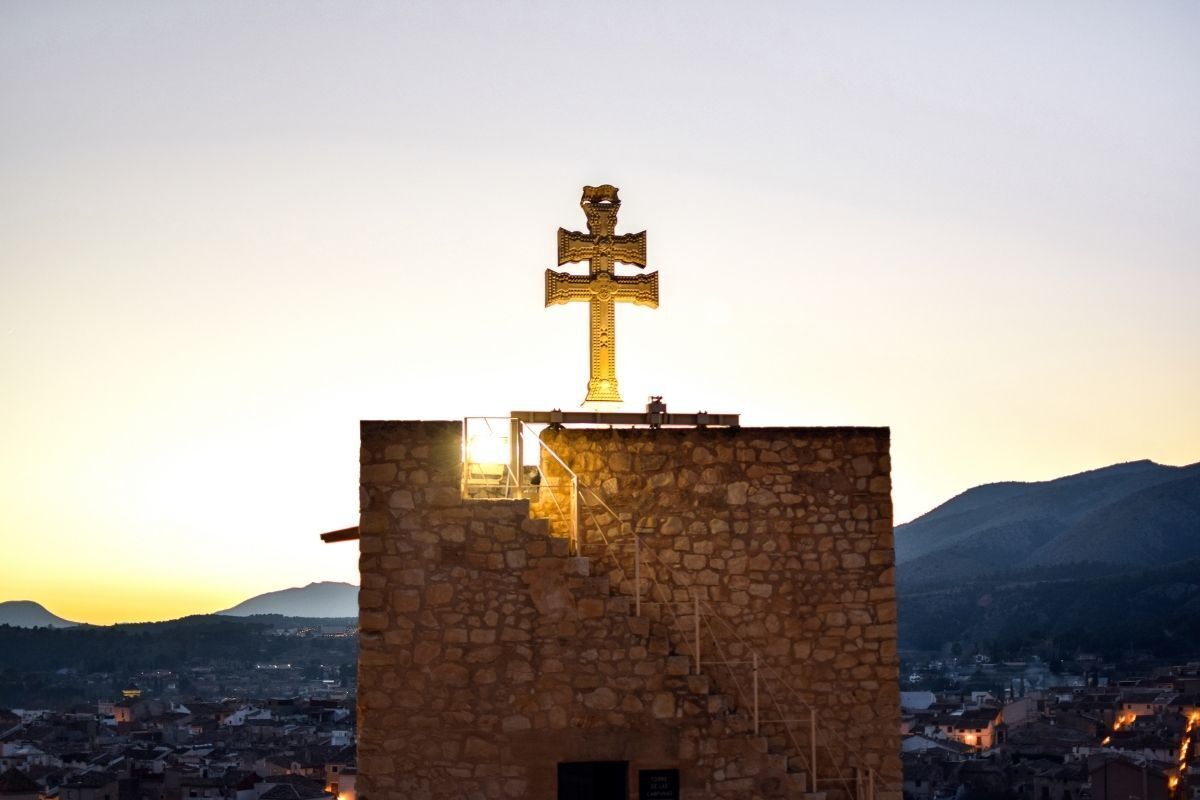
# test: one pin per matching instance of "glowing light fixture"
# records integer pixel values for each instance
(488, 448)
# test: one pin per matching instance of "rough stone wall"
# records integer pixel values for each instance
(786, 535)
(488, 654)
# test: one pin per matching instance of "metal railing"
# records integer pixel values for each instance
(499, 472)
(510, 483)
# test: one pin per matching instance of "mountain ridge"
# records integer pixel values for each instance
(1100, 561)
(323, 599)
(1019, 487)
(1008, 525)
(317, 600)
(31, 614)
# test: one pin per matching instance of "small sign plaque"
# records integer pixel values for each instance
(658, 784)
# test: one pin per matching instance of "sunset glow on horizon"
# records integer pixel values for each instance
(232, 231)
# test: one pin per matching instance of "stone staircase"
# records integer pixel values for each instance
(580, 597)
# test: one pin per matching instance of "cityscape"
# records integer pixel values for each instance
(972, 727)
(627, 401)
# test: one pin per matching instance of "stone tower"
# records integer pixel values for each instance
(496, 661)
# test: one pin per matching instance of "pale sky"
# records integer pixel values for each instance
(230, 231)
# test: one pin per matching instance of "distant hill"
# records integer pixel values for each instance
(1139, 514)
(324, 599)
(1104, 560)
(1151, 527)
(48, 667)
(28, 614)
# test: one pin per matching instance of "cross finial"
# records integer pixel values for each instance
(601, 247)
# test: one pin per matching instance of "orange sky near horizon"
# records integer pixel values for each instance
(230, 232)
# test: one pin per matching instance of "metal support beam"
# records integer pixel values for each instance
(344, 535)
(637, 575)
(812, 736)
(756, 694)
(557, 417)
(576, 511)
(516, 455)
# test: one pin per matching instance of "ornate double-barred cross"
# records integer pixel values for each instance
(602, 287)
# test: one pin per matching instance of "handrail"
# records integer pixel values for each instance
(740, 640)
(553, 454)
(809, 762)
(578, 488)
(840, 776)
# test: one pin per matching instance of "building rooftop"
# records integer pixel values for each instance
(14, 781)
(91, 780)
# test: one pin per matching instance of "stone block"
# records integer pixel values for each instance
(450, 674)
(671, 526)
(590, 607)
(402, 499)
(442, 496)
(372, 621)
(620, 462)
(426, 652)
(663, 706)
(439, 594)
(577, 566)
(377, 473)
(679, 665)
(601, 698)
(515, 722)
(480, 750)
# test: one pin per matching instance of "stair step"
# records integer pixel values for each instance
(618, 604)
(739, 724)
(679, 665)
(798, 764)
(579, 566)
(537, 526)
(798, 780)
(663, 650)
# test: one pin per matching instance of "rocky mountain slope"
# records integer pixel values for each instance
(1139, 514)
(323, 599)
(1105, 561)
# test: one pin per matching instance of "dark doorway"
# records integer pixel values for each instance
(593, 780)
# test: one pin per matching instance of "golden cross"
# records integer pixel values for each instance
(602, 287)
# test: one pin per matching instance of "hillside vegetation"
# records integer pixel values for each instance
(34, 661)
(1105, 561)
